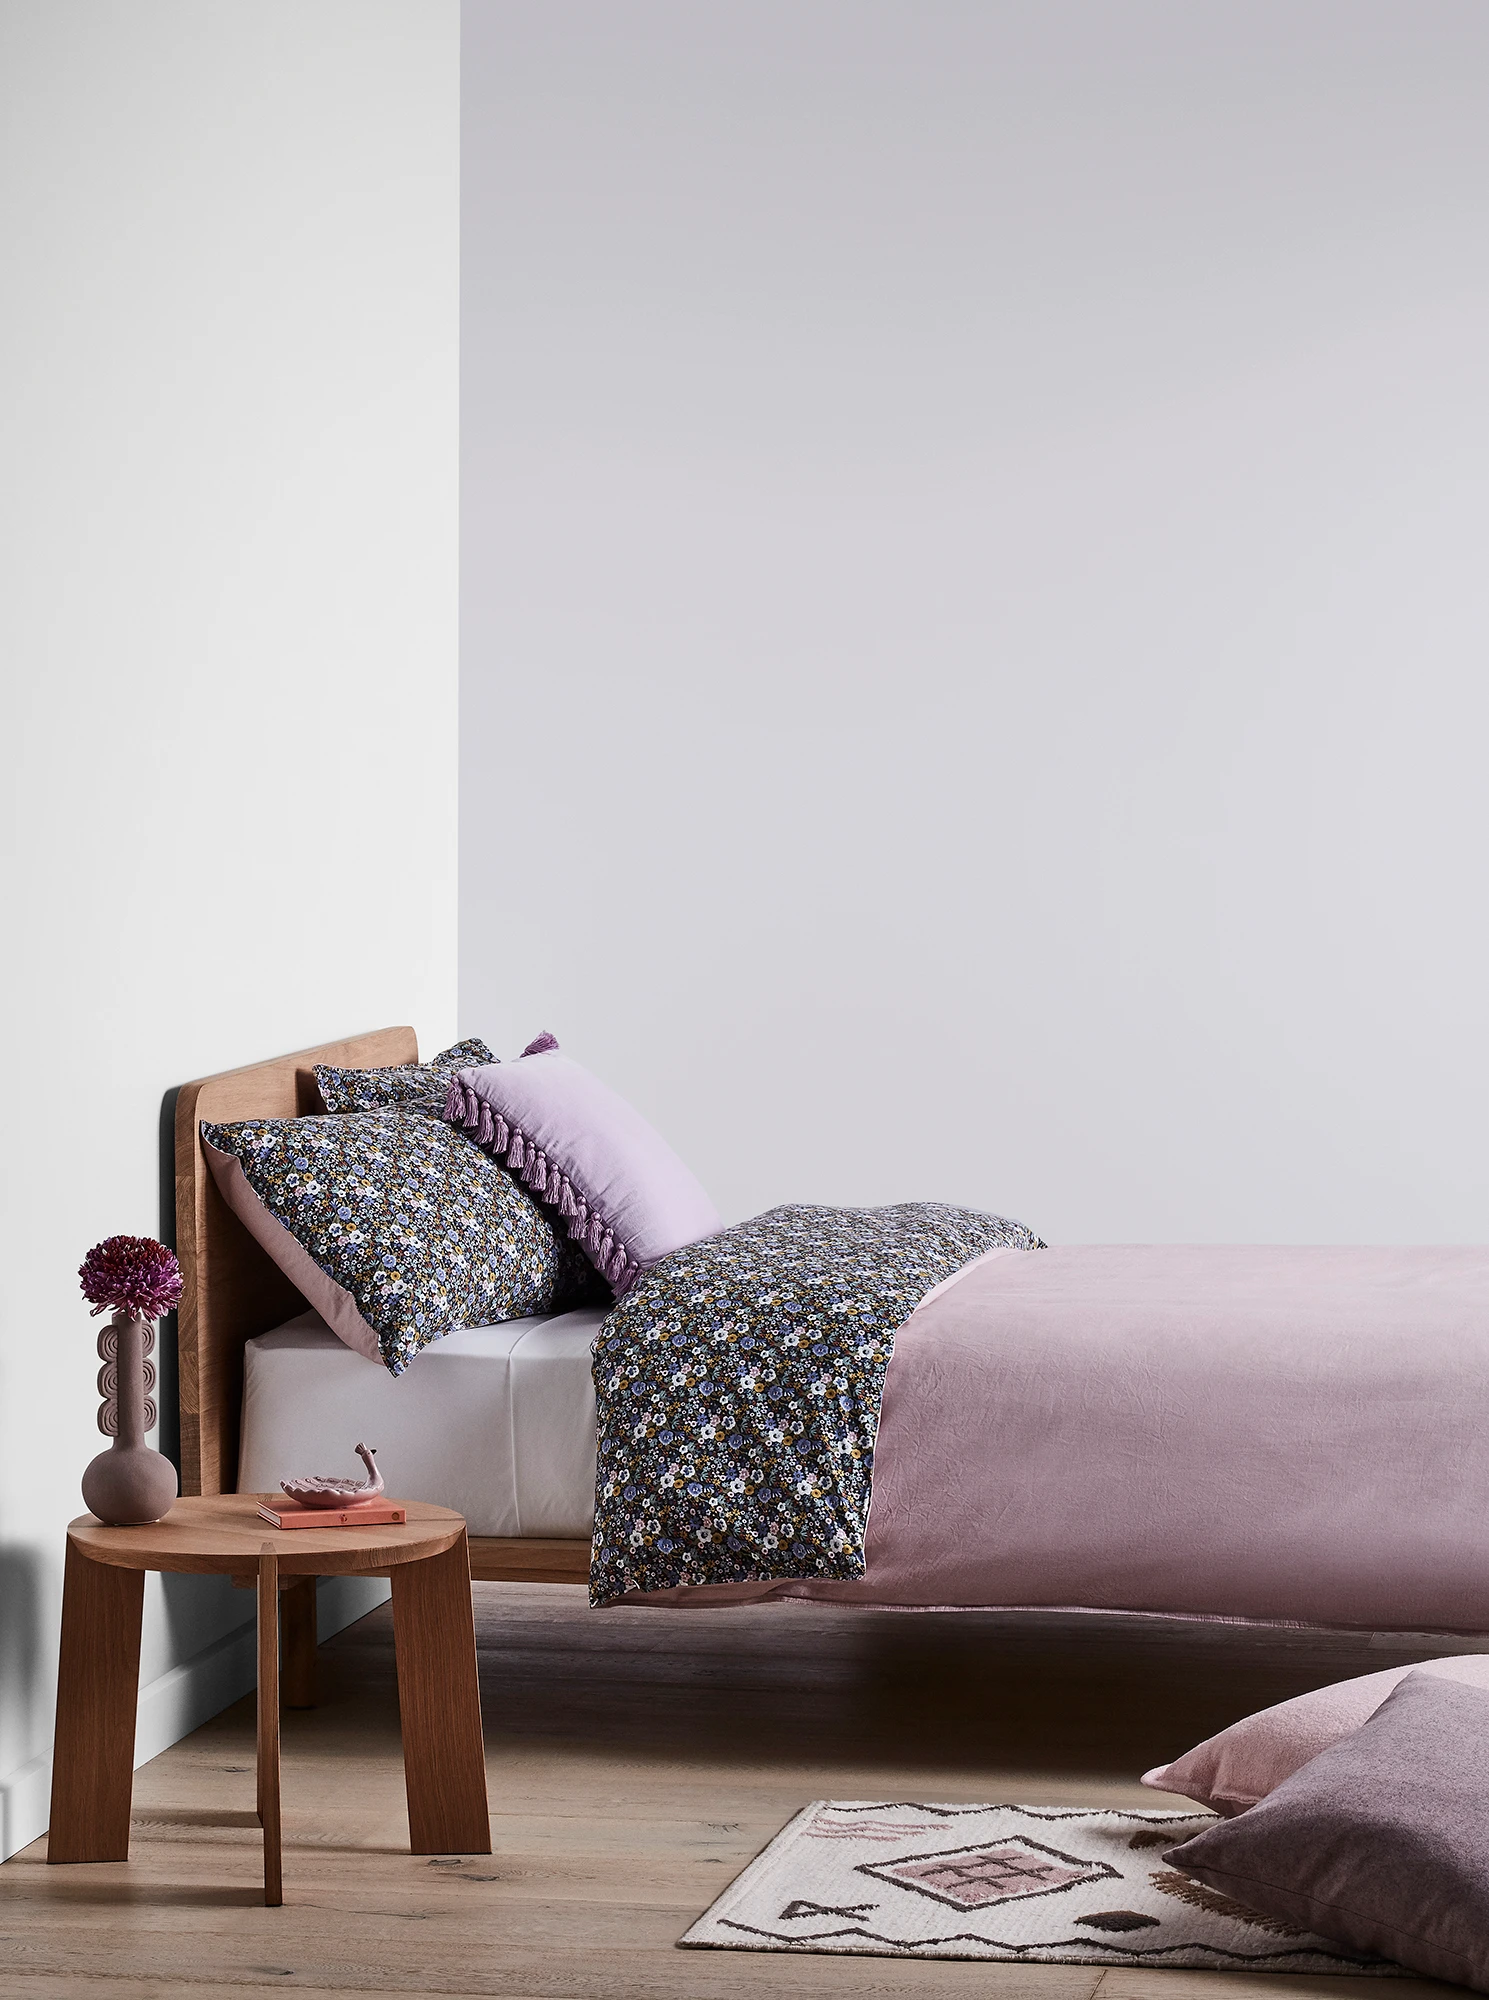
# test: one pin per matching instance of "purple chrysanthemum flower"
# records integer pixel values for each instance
(132, 1274)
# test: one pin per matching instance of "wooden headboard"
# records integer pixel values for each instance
(232, 1291)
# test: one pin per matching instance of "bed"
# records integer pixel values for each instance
(1285, 1435)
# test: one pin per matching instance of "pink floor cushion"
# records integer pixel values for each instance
(1380, 1842)
(1231, 1771)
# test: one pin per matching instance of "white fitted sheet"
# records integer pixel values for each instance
(495, 1421)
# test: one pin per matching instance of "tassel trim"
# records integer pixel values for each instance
(471, 1112)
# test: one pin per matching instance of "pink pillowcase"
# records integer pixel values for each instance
(620, 1190)
(1241, 1765)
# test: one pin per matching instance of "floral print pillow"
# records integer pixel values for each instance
(412, 1086)
(394, 1226)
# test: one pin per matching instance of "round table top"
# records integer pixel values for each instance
(224, 1534)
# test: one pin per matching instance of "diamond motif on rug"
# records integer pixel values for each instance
(975, 1878)
(1030, 1885)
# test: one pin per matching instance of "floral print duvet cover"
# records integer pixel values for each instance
(738, 1387)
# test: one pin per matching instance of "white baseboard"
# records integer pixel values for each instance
(25, 1799)
(180, 1700)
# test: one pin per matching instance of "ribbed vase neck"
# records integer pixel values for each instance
(131, 1377)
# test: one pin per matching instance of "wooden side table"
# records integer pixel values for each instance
(434, 1634)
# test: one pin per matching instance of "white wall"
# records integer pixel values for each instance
(228, 343)
(973, 596)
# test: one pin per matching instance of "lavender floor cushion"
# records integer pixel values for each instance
(1380, 1842)
(1231, 1771)
(622, 1192)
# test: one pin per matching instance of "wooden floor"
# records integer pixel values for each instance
(637, 1760)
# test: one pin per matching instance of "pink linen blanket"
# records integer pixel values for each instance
(1287, 1434)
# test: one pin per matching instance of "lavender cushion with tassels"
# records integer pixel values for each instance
(623, 1193)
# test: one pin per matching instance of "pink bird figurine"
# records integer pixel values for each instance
(321, 1490)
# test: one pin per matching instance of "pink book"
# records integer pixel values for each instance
(375, 1514)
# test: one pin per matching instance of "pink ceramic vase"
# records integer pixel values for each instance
(129, 1483)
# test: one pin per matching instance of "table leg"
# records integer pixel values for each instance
(268, 1723)
(297, 1623)
(439, 1703)
(97, 1693)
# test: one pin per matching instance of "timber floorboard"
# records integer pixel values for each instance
(636, 1760)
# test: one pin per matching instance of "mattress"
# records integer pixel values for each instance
(1273, 1433)
(497, 1422)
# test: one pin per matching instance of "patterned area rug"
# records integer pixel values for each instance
(1041, 1885)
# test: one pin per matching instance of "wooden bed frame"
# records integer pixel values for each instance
(233, 1291)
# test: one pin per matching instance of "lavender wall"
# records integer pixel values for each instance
(973, 596)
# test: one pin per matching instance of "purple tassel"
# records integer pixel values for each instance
(541, 1046)
(502, 1133)
(515, 1153)
(486, 1130)
(454, 1110)
(566, 1207)
(537, 1173)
